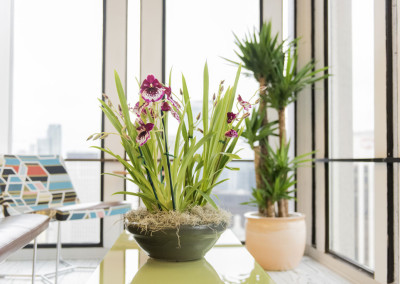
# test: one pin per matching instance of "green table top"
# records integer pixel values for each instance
(227, 262)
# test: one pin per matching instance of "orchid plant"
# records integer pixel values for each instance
(183, 176)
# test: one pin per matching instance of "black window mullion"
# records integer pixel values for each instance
(389, 141)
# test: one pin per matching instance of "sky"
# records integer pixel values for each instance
(58, 57)
(57, 71)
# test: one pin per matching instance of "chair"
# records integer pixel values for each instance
(18, 231)
(41, 184)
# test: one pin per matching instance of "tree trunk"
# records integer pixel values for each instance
(257, 166)
(283, 208)
(258, 175)
(263, 150)
(282, 127)
(270, 208)
(283, 204)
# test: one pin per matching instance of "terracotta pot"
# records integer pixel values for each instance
(276, 243)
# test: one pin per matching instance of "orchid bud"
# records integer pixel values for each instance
(200, 130)
(198, 116)
(222, 82)
(180, 92)
(246, 115)
(214, 97)
(97, 136)
(105, 96)
(257, 101)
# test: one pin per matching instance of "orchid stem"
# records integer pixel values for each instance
(150, 180)
(168, 164)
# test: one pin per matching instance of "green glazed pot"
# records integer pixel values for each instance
(189, 243)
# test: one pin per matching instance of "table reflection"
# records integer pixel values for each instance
(156, 271)
(227, 262)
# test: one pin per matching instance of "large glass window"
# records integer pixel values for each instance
(351, 131)
(133, 73)
(57, 64)
(200, 31)
(352, 82)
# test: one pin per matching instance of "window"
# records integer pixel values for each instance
(351, 131)
(133, 72)
(197, 32)
(356, 139)
(57, 64)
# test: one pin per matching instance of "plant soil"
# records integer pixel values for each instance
(161, 220)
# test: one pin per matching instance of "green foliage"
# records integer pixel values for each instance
(259, 53)
(289, 79)
(255, 130)
(193, 168)
(275, 66)
(278, 174)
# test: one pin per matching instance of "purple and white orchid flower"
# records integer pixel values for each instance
(230, 117)
(135, 109)
(244, 104)
(151, 90)
(143, 132)
(167, 91)
(139, 110)
(231, 133)
(166, 107)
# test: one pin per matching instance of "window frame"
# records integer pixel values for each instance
(386, 249)
(9, 121)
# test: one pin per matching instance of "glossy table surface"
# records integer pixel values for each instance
(227, 262)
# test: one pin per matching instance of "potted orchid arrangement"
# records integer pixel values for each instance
(176, 181)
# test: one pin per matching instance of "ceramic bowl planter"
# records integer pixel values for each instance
(276, 243)
(187, 243)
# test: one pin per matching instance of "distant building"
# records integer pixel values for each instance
(51, 145)
(54, 136)
(82, 155)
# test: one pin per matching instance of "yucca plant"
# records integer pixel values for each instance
(259, 53)
(279, 176)
(289, 80)
(275, 67)
(183, 176)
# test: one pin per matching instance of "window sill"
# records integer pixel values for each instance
(338, 267)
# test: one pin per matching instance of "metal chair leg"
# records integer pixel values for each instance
(34, 261)
(58, 250)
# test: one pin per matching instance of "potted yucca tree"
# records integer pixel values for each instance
(274, 237)
(180, 220)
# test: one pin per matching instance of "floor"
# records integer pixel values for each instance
(308, 272)
(25, 267)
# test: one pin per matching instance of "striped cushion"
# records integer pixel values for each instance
(42, 185)
(31, 183)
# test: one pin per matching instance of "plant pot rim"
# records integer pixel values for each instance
(183, 227)
(294, 216)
